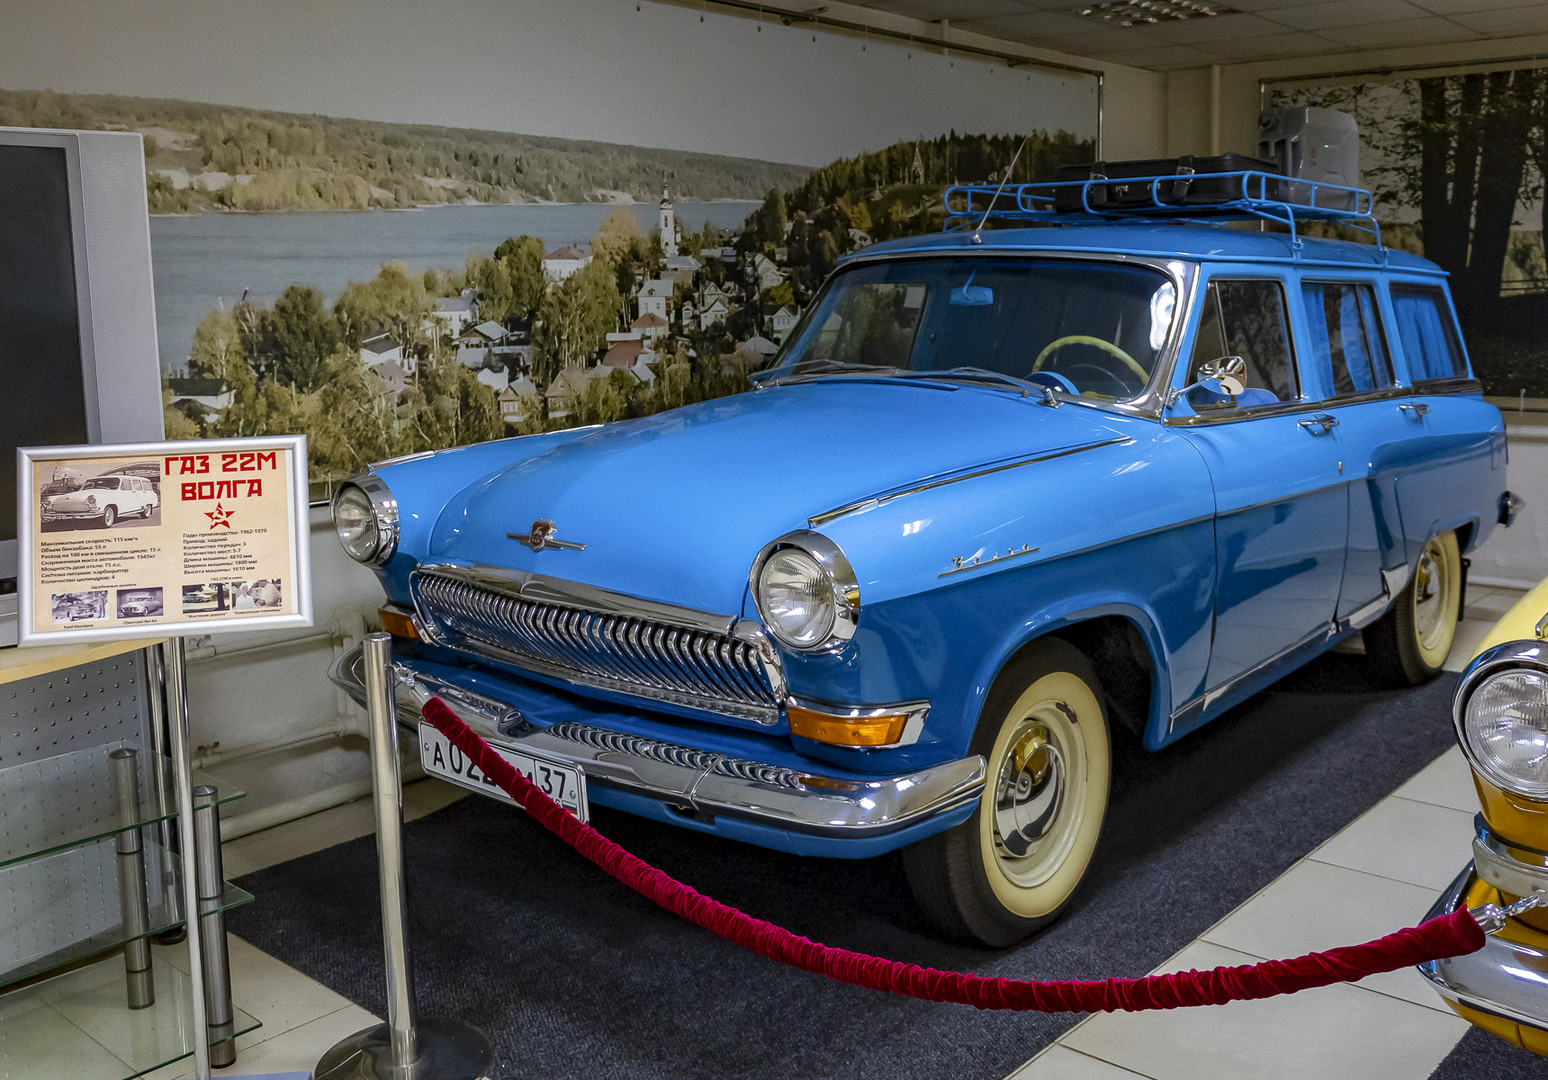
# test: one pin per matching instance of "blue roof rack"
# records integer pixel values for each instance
(1265, 197)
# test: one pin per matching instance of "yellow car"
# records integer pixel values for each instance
(1500, 712)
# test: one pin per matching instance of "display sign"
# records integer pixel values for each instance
(155, 539)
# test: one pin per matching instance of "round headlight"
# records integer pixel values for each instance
(1505, 728)
(796, 598)
(355, 520)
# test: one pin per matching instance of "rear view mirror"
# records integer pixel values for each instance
(973, 296)
(970, 295)
(1229, 371)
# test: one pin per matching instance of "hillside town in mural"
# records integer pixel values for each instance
(530, 338)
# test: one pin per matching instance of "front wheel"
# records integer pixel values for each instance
(109, 516)
(1409, 644)
(1011, 868)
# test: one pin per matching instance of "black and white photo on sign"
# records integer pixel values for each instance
(253, 595)
(139, 603)
(73, 607)
(72, 497)
(213, 596)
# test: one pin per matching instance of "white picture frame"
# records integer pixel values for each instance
(89, 607)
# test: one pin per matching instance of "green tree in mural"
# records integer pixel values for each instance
(304, 334)
(523, 259)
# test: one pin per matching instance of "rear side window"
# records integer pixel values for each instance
(1428, 335)
(1246, 319)
(1346, 341)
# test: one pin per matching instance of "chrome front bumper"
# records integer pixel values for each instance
(698, 782)
(1505, 978)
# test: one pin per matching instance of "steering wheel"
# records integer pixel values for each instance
(1096, 343)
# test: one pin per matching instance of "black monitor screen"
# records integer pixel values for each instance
(42, 397)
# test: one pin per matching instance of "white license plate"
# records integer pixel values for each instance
(565, 784)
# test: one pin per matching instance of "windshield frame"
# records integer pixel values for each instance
(1182, 273)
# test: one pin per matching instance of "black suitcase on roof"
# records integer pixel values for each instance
(1181, 192)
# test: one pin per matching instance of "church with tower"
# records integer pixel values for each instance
(668, 226)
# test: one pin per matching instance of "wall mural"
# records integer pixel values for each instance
(1458, 164)
(407, 287)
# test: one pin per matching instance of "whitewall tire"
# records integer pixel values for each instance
(1011, 868)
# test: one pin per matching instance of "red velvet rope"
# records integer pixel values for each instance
(1445, 936)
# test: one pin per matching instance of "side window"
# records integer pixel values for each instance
(1246, 319)
(1429, 336)
(1346, 340)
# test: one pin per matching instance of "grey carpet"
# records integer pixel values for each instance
(574, 976)
(1482, 1056)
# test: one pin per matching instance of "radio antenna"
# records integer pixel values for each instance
(977, 239)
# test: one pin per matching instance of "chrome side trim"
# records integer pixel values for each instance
(1396, 579)
(1363, 616)
(1504, 978)
(971, 472)
(688, 779)
(912, 727)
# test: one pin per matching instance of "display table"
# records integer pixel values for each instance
(69, 823)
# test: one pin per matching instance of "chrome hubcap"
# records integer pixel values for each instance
(1029, 792)
(1428, 598)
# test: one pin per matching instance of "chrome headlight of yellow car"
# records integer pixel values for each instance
(1501, 717)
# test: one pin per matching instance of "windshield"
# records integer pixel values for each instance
(1088, 328)
(102, 482)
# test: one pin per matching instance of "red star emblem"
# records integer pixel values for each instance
(220, 516)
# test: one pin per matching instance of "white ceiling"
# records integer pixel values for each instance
(1260, 29)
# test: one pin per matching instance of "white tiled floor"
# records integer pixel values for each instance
(1381, 872)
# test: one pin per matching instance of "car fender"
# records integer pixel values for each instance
(1067, 612)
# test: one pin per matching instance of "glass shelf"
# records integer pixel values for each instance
(54, 898)
(64, 801)
(81, 1017)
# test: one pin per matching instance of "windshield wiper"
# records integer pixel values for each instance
(983, 374)
(816, 369)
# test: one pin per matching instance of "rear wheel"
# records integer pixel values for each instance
(1409, 643)
(1011, 868)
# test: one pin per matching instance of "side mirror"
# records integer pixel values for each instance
(1229, 373)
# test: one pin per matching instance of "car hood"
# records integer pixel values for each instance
(674, 507)
(74, 498)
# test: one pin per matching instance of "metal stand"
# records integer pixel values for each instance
(404, 1048)
(212, 928)
(164, 831)
(182, 774)
(132, 900)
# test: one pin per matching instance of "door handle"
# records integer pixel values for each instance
(1322, 420)
(1418, 409)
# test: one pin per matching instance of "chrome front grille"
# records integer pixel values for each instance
(646, 657)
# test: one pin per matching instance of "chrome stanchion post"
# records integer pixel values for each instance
(182, 778)
(133, 904)
(164, 833)
(211, 879)
(387, 790)
(404, 1048)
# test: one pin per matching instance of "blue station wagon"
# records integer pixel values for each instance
(999, 492)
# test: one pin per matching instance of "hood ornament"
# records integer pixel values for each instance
(542, 536)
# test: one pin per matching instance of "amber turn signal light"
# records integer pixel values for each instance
(398, 622)
(843, 731)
